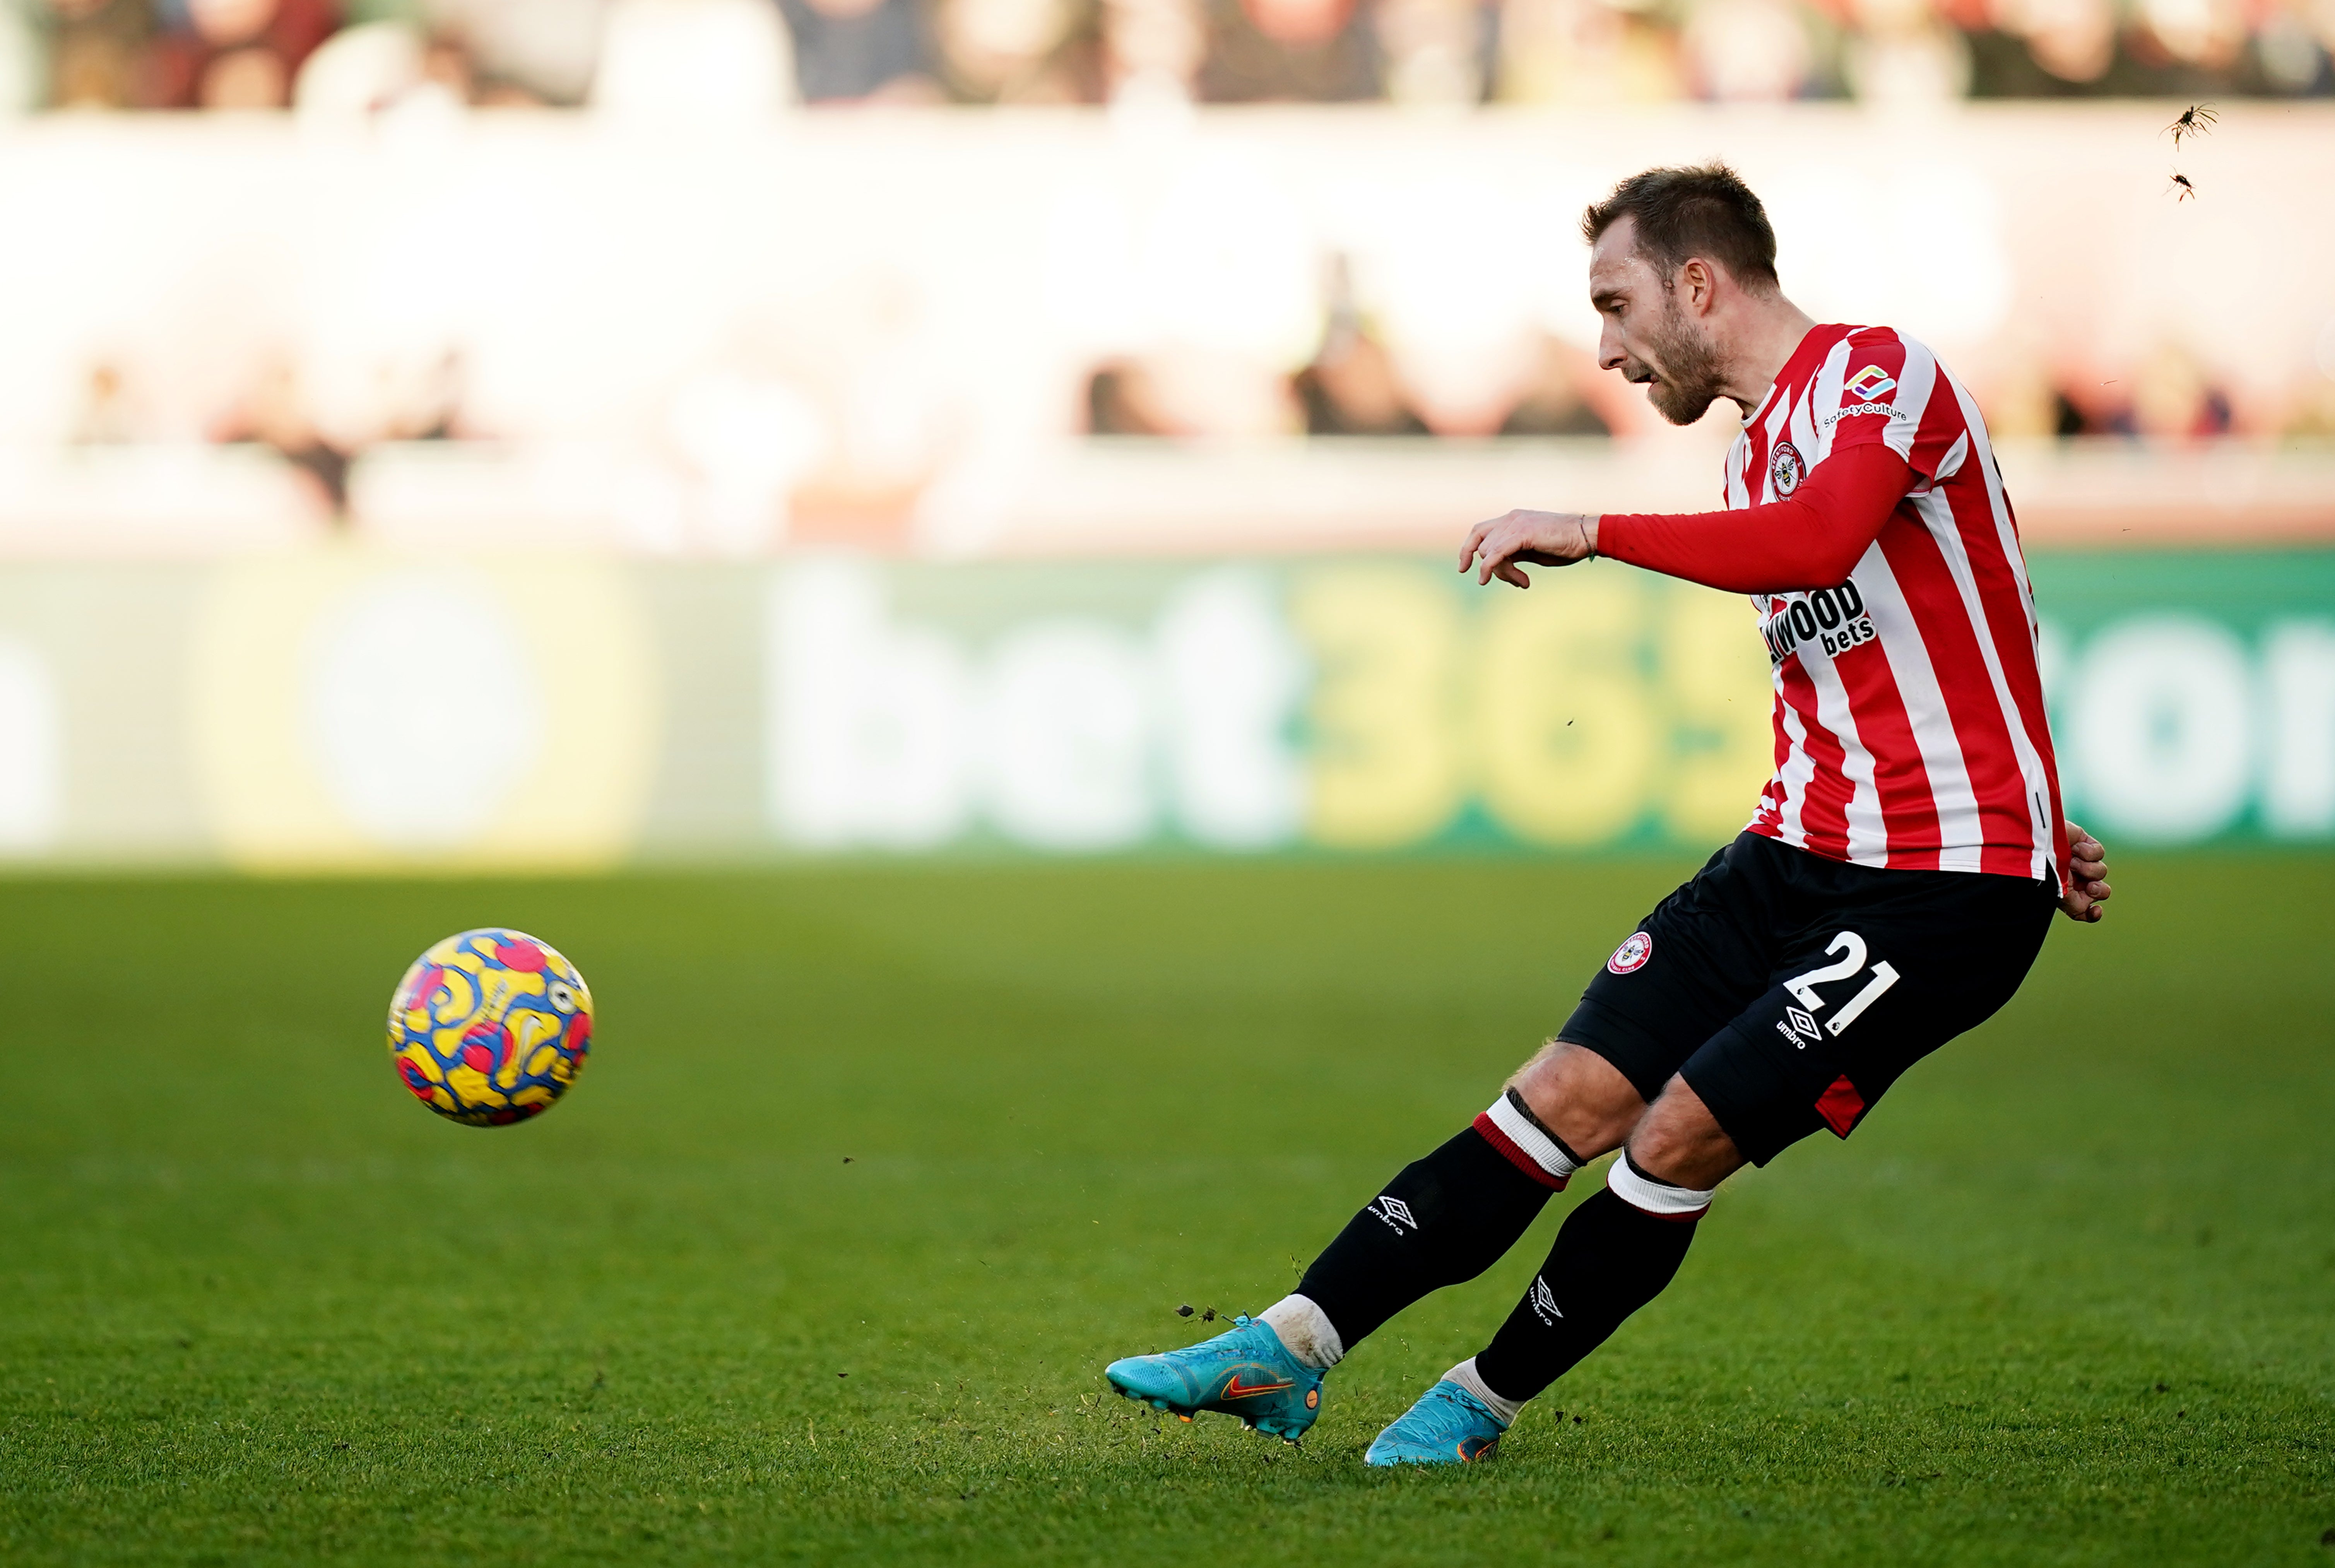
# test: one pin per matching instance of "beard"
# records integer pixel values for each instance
(1686, 386)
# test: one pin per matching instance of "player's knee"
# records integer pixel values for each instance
(1581, 1096)
(1655, 1150)
(1678, 1141)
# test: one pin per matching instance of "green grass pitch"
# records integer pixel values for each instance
(875, 1167)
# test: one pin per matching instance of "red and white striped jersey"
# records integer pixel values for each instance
(1909, 718)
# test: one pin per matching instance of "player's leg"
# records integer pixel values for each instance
(1449, 1217)
(1443, 1219)
(1615, 1252)
(1446, 1217)
(1691, 964)
(1784, 1068)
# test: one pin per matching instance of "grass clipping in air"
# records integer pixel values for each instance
(2068, 1297)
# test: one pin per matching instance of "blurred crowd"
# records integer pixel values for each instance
(269, 54)
(1356, 385)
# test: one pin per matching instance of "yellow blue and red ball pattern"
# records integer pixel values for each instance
(490, 1027)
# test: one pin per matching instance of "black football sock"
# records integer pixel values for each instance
(1442, 1220)
(1612, 1255)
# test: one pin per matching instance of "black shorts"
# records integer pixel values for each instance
(1791, 991)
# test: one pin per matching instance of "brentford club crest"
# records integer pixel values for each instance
(1784, 470)
(1632, 955)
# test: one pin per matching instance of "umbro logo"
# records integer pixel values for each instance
(1544, 1302)
(1395, 1213)
(1801, 1022)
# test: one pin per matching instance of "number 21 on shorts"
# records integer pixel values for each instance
(1852, 945)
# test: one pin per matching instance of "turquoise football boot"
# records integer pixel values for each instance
(1448, 1426)
(1247, 1371)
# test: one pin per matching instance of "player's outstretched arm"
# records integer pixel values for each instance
(2089, 866)
(1812, 539)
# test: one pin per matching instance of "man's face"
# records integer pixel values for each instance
(1646, 335)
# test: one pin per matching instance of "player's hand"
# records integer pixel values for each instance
(2089, 870)
(1528, 538)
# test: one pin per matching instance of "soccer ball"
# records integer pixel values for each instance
(490, 1027)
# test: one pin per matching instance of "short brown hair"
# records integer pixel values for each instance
(1688, 212)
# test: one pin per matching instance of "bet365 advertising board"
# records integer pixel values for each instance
(346, 711)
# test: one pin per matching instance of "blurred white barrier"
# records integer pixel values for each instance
(168, 502)
(476, 495)
(1153, 497)
(1071, 500)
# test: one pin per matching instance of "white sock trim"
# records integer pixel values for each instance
(1467, 1378)
(1305, 1331)
(1531, 1142)
(1641, 1191)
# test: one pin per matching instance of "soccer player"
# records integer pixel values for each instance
(1891, 891)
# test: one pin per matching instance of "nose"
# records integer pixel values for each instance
(1609, 347)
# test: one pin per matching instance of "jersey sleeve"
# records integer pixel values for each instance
(1812, 539)
(1887, 392)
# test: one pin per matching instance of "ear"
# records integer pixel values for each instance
(1698, 285)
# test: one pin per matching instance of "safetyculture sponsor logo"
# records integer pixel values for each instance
(1632, 955)
(1886, 411)
(1831, 619)
(1395, 1213)
(1868, 383)
(1785, 469)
